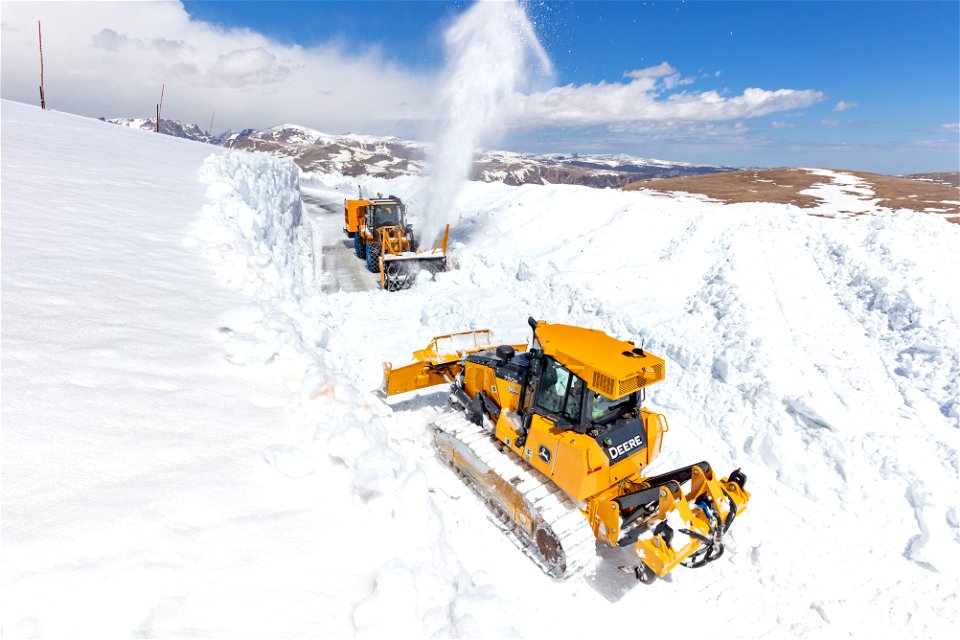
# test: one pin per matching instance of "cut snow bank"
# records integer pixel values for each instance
(251, 229)
(252, 221)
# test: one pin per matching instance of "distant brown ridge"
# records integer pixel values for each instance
(926, 193)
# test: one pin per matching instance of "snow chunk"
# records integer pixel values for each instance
(244, 318)
(288, 460)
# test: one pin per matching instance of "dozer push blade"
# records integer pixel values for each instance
(437, 363)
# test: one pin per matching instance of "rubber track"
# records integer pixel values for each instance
(568, 524)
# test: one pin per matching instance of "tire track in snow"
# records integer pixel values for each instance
(912, 336)
(803, 341)
(923, 335)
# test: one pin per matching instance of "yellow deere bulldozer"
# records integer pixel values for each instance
(382, 236)
(556, 440)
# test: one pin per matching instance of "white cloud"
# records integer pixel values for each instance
(169, 47)
(940, 143)
(243, 67)
(607, 103)
(950, 127)
(109, 39)
(676, 80)
(659, 71)
(842, 106)
(109, 59)
(664, 73)
(682, 131)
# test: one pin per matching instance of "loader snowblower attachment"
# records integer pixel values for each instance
(383, 238)
(399, 265)
(555, 440)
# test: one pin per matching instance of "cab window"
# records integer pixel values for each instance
(560, 392)
(386, 215)
(606, 410)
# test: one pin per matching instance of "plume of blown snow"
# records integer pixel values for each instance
(493, 52)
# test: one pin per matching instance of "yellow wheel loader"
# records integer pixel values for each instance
(382, 237)
(556, 440)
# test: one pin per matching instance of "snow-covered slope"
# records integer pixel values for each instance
(156, 489)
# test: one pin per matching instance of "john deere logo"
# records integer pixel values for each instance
(544, 453)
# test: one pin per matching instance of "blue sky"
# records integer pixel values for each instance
(894, 66)
(861, 85)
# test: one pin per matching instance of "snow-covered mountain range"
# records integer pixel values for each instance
(390, 157)
(169, 127)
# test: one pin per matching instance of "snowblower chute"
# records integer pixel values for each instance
(555, 439)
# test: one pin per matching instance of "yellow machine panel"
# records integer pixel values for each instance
(353, 214)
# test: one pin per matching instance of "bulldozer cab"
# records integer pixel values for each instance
(559, 392)
(585, 381)
(564, 397)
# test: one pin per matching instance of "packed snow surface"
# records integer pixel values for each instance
(192, 447)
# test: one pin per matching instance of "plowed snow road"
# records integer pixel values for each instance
(341, 269)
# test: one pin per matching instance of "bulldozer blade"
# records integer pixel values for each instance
(419, 375)
(400, 271)
(439, 362)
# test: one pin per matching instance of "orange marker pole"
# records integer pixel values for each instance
(43, 101)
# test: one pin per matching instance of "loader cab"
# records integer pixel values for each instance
(388, 213)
